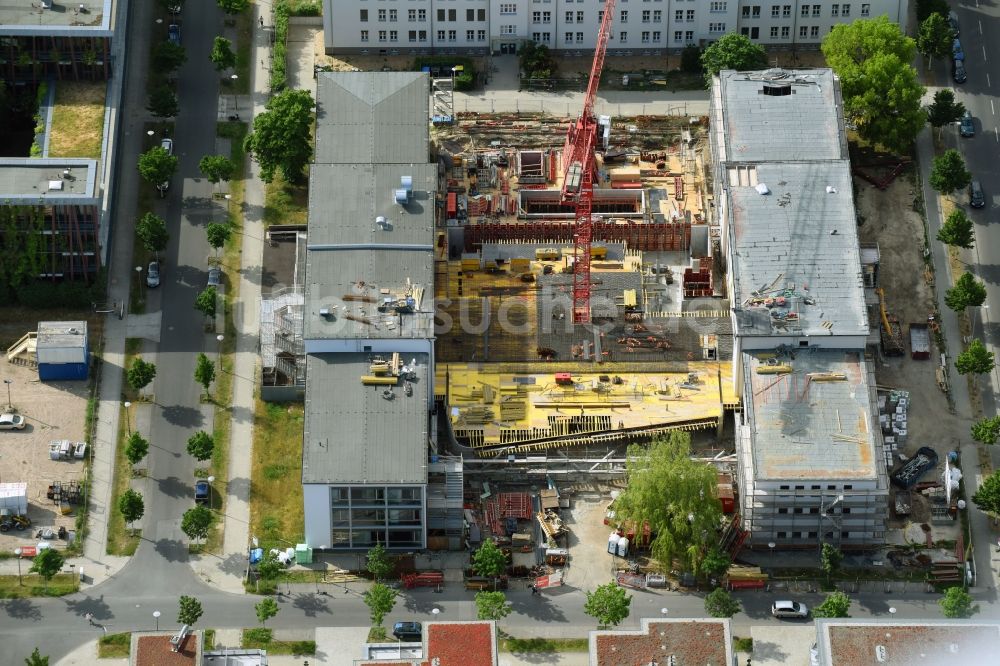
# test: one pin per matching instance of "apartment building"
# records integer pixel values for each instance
(809, 448)
(639, 27)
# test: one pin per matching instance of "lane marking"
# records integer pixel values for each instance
(980, 27)
(992, 110)
(996, 133)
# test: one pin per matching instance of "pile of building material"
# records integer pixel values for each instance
(892, 407)
(739, 577)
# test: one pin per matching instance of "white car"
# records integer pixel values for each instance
(10, 421)
(789, 609)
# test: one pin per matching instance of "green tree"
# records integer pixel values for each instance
(967, 292)
(222, 54)
(205, 301)
(204, 371)
(719, 603)
(536, 61)
(675, 496)
(882, 95)
(217, 234)
(836, 604)
(163, 102)
(266, 609)
(830, 558)
(489, 560)
(691, 59)
(986, 430)
(976, 360)
(140, 374)
(957, 230)
(944, 109)
(47, 564)
(280, 136)
(732, 51)
(36, 659)
(196, 522)
(987, 497)
(189, 610)
(234, 6)
(934, 37)
(131, 506)
(492, 605)
(156, 165)
(168, 57)
(949, 173)
(378, 564)
(380, 600)
(927, 7)
(217, 168)
(152, 232)
(269, 567)
(200, 445)
(608, 604)
(715, 562)
(957, 603)
(136, 448)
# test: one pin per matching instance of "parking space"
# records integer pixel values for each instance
(52, 411)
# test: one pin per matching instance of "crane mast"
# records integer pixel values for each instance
(578, 174)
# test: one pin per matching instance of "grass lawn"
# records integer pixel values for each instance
(121, 541)
(275, 478)
(34, 586)
(285, 203)
(77, 119)
(543, 644)
(208, 639)
(261, 638)
(244, 40)
(114, 646)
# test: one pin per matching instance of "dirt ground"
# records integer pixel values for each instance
(53, 410)
(590, 564)
(890, 221)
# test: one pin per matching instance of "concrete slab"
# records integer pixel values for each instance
(339, 646)
(145, 326)
(782, 645)
(300, 57)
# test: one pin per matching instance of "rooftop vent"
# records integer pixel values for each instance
(777, 91)
(405, 191)
(881, 654)
(774, 74)
(55, 185)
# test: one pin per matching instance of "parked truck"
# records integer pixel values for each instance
(920, 342)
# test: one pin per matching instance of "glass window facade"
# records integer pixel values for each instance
(362, 516)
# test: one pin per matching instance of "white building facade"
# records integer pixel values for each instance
(640, 27)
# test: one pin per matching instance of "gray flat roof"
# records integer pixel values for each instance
(804, 125)
(806, 426)
(372, 117)
(42, 181)
(35, 16)
(61, 334)
(799, 242)
(855, 642)
(352, 433)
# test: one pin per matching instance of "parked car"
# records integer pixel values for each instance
(9, 421)
(214, 276)
(953, 22)
(976, 197)
(167, 144)
(174, 34)
(789, 608)
(966, 126)
(407, 631)
(201, 491)
(956, 50)
(958, 73)
(153, 275)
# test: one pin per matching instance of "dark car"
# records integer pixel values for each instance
(907, 476)
(976, 197)
(408, 632)
(956, 50)
(958, 73)
(214, 276)
(966, 126)
(201, 492)
(153, 275)
(174, 34)
(953, 22)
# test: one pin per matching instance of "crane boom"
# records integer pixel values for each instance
(578, 173)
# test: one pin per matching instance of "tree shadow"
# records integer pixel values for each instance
(769, 651)
(311, 603)
(24, 609)
(173, 487)
(171, 550)
(95, 606)
(183, 416)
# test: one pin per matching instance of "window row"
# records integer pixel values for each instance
(420, 15)
(367, 517)
(376, 495)
(404, 538)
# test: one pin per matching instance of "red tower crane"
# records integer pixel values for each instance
(578, 174)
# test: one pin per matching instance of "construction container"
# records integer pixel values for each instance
(14, 498)
(62, 350)
(548, 254)
(471, 262)
(520, 265)
(920, 345)
(303, 554)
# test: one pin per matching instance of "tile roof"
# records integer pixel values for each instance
(702, 642)
(452, 644)
(864, 642)
(156, 650)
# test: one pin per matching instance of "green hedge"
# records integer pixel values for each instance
(279, 76)
(305, 7)
(464, 81)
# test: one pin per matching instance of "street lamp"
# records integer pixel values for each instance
(211, 480)
(128, 418)
(664, 611)
(892, 610)
(228, 198)
(771, 545)
(156, 616)
(150, 133)
(234, 78)
(218, 352)
(138, 272)
(17, 554)
(8, 382)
